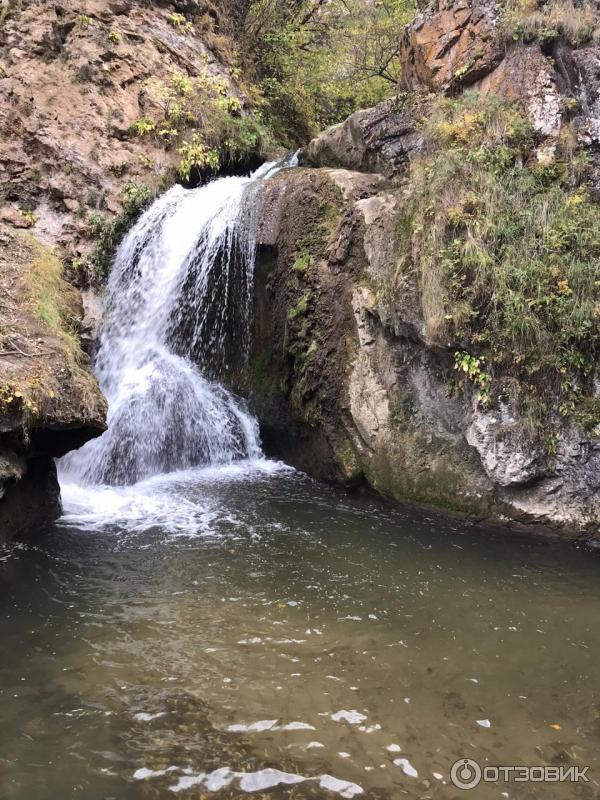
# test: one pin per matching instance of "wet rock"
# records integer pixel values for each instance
(507, 456)
(355, 390)
(381, 139)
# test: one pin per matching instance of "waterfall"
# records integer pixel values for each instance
(176, 320)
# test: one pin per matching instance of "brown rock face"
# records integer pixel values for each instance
(450, 45)
(73, 78)
(525, 75)
(49, 399)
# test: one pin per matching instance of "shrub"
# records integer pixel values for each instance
(206, 123)
(196, 155)
(545, 21)
(506, 248)
(143, 126)
(179, 21)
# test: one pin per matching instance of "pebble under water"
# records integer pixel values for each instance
(240, 631)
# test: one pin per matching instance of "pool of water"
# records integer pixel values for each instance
(246, 632)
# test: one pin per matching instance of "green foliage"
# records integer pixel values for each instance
(108, 232)
(206, 122)
(507, 250)
(85, 21)
(29, 218)
(179, 22)
(315, 62)
(136, 196)
(196, 155)
(143, 126)
(182, 84)
(114, 36)
(475, 372)
(300, 309)
(302, 262)
(50, 300)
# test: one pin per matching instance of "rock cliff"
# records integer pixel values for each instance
(97, 100)
(49, 400)
(387, 345)
(101, 106)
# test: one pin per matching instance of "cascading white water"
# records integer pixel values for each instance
(176, 319)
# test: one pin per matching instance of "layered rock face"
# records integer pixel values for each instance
(74, 78)
(49, 400)
(86, 89)
(348, 378)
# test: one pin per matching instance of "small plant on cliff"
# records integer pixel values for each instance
(114, 36)
(300, 309)
(475, 372)
(85, 21)
(196, 155)
(180, 22)
(108, 232)
(302, 262)
(143, 126)
(29, 218)
(136, 196)
(506, 249)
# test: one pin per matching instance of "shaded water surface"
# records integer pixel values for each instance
(242, 631)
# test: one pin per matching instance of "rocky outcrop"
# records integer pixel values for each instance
(75, 78)
(450, 45)
(382, 139)
(347, 378)
(348, 387)
(454, 45)
(342, 390)
(49, 400)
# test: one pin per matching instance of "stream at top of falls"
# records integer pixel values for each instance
(205, 622)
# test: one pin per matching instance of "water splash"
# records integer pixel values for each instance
(176, 322)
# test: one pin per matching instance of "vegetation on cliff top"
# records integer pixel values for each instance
(506, 241)
(312, 63)
(546, 21)
(44, 371)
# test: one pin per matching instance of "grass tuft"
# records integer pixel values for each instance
(529, 20)
(506, 248)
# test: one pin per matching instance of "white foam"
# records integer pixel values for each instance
(261, 725)
(406, 767)
(161, 501)
(353, 717)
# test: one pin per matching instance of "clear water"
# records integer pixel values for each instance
(234, 617)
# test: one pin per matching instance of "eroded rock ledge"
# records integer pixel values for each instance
(50, 402)
(348, 379)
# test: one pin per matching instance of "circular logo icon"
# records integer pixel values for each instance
(465, 773)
